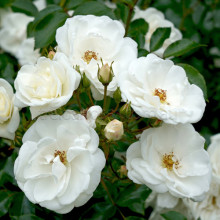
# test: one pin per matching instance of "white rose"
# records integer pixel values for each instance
(13, 31)
(214, 153)
(47, 85)
(26, 53)
(156, 19)
(158, 88)
(9, 114)
(209, 208)
(88, 39)
(114, 130)
(171, 159)
(59, 164)
(165, 202)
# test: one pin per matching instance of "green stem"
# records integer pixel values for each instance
(141, 129)
(111, 113)
(62, 3)
(78, 100)
(131, 9)
(90, 97)
(137, 122)
(109, 195)
(105, 98)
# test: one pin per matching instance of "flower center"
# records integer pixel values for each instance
(62, 155)
(88, 55)
(167, 161)
(162, 94)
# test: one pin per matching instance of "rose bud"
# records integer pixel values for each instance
(105, 74)
(125, 110)
(114, 130)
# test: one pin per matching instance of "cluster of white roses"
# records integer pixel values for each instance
(62, 151)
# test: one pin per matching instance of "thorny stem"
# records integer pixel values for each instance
(105, 98)
(131, 9)
(109, 195)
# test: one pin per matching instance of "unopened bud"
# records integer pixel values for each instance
(117, 95)
(125, 110)
(105, 74)
(51, 54)
(114, 130)
(85, 81)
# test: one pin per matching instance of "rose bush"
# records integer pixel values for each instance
(104, 122)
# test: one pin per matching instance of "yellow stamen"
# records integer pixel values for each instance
(162, 94)
(167, 161)
(62, 155)
(88, 55)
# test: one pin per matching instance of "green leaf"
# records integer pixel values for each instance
(195, 77)
(142, 53)
(180, 47)
(94, 8)
(7, 170)
(5, 202)
(171, 215)
(138, 26)
(24, 6)
(158, 38)
(72, 4)
(121, 12)
(44, 13)
(46, 29)
(103, 210)
(20, 205)
(137, 31)
(121, 146)
(5, 3)
(134, 198)
(9, 73)
(134, 218)
(26, 217)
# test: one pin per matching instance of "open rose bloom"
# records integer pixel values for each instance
(209, 208)
(47, 85)
(171, 159)
(158, 88)
(86, 40)
(59, 164)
